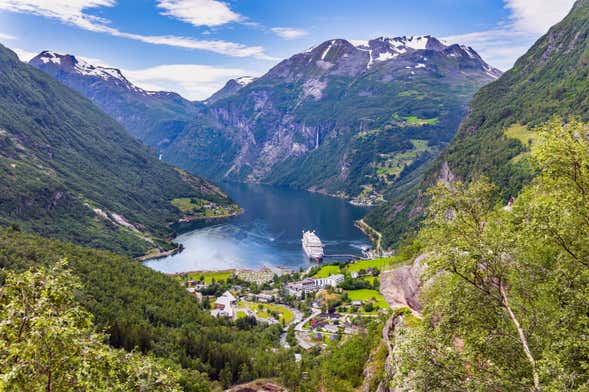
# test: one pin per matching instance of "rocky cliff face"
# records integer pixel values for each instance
(345, 119)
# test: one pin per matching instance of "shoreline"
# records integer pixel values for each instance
(190, 219)
(374, 235)
(160, 254)
(234, 270)
(179, 247)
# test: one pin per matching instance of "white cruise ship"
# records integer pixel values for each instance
(312, 245)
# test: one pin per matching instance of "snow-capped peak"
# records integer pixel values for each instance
(47, 57)
(417, 43)
(385, 48)
(76, 65)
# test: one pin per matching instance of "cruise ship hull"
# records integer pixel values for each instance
(312, 246)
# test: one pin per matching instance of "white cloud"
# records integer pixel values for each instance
(499, 47)
(503, 45)
(193, 81)
(199, 12)
(223, 47)
(289, 32)
(72, 12)
(537, 16)
(6, 37)
(69, 11)
(24, 55)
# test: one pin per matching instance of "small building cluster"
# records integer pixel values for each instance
(297, 289)
(265, 275)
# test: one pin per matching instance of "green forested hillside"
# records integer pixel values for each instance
(144, 310)
(505, 307)
(49, 342)
(68, 171)
(550, 79)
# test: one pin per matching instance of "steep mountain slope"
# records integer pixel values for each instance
(71, 172)
(355, 121)
(550, 79)
(155, 117)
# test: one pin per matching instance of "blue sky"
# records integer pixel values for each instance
(194, 46)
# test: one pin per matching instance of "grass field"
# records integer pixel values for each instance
(381, 264)
(414, 120)
(521, 133)
(285, 312)
(208, 276)
(327, 270)
(186, 204)
(367, 295)
(263, 310)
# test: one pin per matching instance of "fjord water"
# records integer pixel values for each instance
(268, 233)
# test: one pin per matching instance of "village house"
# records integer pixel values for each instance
(224, 306)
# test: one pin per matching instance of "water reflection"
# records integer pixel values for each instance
(269, 232)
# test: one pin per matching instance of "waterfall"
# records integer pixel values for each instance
(317, 140)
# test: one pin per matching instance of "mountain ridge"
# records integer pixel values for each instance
(155, 117)
(338, 100)
(302, 106)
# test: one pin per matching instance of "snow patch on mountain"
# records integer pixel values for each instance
(78, 66)
(386, 56)
(417, 43)
(245, 80)
(327, 50)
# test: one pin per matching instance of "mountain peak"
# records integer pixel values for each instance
(71, 64)
(231, 87)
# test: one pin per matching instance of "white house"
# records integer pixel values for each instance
(224, 305)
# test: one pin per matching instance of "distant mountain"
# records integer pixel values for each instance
(550, 79)
(155, 117)
(354, 120)
(70, 172)
(230, 88)
(357, 121)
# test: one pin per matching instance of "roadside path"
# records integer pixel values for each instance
(297, 318)
(299, 328)
(372, 233)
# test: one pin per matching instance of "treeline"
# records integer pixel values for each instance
(145, 311)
